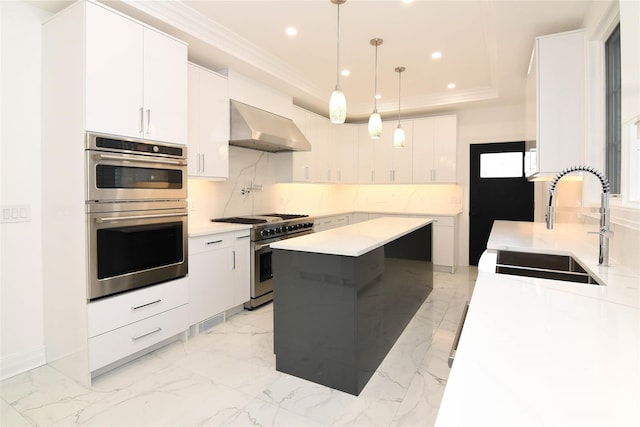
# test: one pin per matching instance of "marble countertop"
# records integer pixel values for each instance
(204, 228)
(355, 239)
(537, 352)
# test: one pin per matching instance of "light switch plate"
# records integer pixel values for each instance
(16, 213)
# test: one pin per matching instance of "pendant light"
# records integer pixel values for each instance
(338, 102)
(398, 133)
(375, 121)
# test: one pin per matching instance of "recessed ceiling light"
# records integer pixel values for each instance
(378, 96)
(436, 55)
(407, 1)
(451, 85)
(291, 31)
(345, 73)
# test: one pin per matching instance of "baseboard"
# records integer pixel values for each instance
(17, 363)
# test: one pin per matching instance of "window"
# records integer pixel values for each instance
(613, 113)
(501, 165)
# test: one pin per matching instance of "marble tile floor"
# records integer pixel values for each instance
(227, 376)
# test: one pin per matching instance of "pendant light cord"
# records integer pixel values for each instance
(375, 84)
(399, 80)
(338, 50)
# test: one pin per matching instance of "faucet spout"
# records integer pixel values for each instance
(605, 222)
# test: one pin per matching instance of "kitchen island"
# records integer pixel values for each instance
(539, 352)
(343, 296)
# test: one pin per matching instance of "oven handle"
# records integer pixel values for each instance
(123, 218)
(139, 159)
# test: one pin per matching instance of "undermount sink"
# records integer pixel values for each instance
(545, 266)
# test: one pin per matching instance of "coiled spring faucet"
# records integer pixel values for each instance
(605, 224)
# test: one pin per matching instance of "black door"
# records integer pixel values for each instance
(498, 190)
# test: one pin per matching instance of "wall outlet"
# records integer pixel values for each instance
(16, 213)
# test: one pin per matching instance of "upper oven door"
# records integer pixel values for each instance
(119, 176)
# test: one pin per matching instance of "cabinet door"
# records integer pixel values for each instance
(165, 88)
(214, 125)
(383, 154)
(242, 270)
(423, 141)
(210, 284)
(299, 159)
(323, 151)
(445, 149)
(312, 122)
(403, 157)
(345, 152)
(193, 109)
(114, 70)
(365, 155)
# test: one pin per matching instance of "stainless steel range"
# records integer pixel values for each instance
(267, 229)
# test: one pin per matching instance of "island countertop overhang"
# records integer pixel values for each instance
(355, 239)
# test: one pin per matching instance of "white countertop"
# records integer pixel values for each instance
(536, 352)
(204, 228)
(355, 239)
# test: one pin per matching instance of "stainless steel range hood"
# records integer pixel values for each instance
(261, 130)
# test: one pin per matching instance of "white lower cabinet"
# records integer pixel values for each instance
(445, 243)
(218, 273)
(115, 345)
(444, 239)
(329, 222)
(126, 324)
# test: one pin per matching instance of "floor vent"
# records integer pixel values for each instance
(210, 323)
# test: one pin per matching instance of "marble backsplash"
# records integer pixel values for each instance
(252, 189)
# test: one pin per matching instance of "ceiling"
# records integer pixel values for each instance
(485, 45)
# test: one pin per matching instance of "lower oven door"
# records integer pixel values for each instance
(132, 249)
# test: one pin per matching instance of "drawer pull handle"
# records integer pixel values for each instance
(146, 305)
(213, 242)
(137, 337)
(243, 237)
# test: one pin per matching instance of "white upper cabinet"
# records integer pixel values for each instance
(345, 154)
(136, 79)
(434, 149)
(557, 83)
(391, 164)
(208, 124)
(365, 155)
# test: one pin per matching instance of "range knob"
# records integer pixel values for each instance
(289, 227)
(263, 233)
(272, 231)
(278, 229)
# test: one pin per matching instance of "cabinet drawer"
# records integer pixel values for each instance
(122, 342)
(114, 312)
(212, 242)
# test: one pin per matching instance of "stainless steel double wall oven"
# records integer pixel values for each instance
(136, 208)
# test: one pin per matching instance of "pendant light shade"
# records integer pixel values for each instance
(375, 121)
(337, 106)
(338, 102)
(375, 125)
(398, 137)
(398, 134)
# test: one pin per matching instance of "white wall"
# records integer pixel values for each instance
(22, 336)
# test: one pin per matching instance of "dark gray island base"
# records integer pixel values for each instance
(336, 317)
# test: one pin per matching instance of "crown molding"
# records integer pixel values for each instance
(195, 24)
